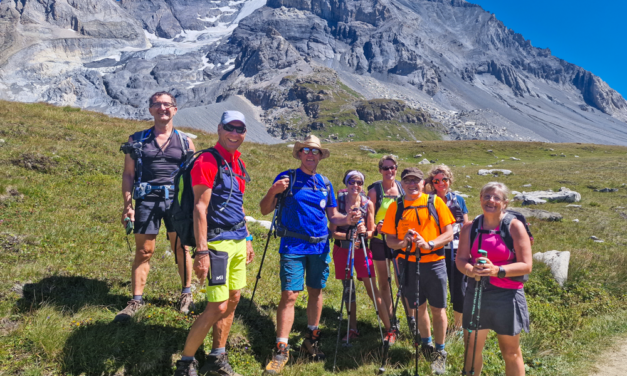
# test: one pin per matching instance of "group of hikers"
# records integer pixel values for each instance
(415, 230)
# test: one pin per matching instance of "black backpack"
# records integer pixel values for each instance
(505, 234)
(378, 188)
(181, 212)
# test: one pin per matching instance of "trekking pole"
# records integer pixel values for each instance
(129, 230)
(351, 254)
(339, 325)
(474, 319)
(279, 199)
(417, 334)
(393, 321)
(374, 297)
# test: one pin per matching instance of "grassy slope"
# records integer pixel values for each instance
(71, 254)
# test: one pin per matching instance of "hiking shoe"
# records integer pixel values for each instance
(279, 359)
(186, 303)
(131, 309)
(390, 337)
(352, 334)
(439, 362)
(311, 345)
(186, 368)
(427, 351)
(218, 366)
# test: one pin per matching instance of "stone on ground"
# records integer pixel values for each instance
(495, 171)
(558, 262)
(540, 214)
(563, 195)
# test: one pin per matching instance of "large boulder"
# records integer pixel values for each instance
(540, 214)
(558, 262)
(494, 172)
(563, 195)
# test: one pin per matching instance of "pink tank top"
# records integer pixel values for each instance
(499, 254)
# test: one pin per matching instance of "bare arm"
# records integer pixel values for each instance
(128, 178)
(463, 253)
(268, 202)
(192, 147)
(202, 196)
(339, 219)
(370, 225)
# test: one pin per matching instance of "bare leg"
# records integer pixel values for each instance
(285, 313)
(439, 324)
(213, 312)
(144, 249)
(384, 286)
(353, 317)
(424, 324)
(186, 275)
(458, 320)
(482, 335)
(383, 314)
(222, 328)
(510, 348)
(314, 306)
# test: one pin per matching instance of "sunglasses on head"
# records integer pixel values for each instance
(437, 181)
(388, 168)
(308, 150)
(231, 128)
(353, 182)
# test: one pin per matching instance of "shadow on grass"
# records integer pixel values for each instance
(140, 349)
(68, 293)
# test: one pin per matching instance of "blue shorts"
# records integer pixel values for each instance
(294, 268)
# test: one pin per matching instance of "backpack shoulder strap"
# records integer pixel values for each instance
(341, 201)
(400, 208)
(477, 223)
(433, 211)
(378, 189)
(247, 178)
(327, 182)
(504, 229)
(141, 136)
(184, 141)
(401, 191)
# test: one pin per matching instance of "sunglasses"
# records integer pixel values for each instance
(388, 168)
(231, 128)
(353, 182)
(166, 105)
(309, 150)
(437, 181)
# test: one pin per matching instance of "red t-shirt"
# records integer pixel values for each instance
(205, 168)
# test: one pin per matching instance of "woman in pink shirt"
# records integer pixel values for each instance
(503, 307)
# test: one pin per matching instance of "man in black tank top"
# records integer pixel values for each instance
(163, 150)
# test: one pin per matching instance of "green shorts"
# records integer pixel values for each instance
(235, 270)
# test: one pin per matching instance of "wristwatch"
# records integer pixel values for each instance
(501, 273)
(431, 245)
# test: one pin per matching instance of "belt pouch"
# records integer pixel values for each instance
(219, 261)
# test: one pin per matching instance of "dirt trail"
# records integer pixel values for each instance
(613, 363)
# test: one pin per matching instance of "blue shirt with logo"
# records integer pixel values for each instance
(304, 212)
(460, 201)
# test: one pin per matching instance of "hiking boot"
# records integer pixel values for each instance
(131, 309)
(390, 337)
(311, 345)
(186, 368)
(218, 366)
(439, 362)
(279, 359)
(427, 351)
(186, 303)
(352, 334)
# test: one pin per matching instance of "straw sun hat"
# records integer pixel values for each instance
(310, 142)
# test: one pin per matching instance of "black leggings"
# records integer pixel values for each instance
(456, 281)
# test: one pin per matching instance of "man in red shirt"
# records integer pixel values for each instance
(219, 180)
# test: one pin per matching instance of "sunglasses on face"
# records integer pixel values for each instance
(231, 128)
(309, 150)
(388, 168)
(437, 181)
(353, 182)
(492, 197)
(166, 105)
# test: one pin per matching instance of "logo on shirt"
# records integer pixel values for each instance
(325, 193)
(323, 203)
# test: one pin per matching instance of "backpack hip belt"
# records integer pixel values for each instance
(439, 252)
(212, 233)
(285, 233)
(143, 189)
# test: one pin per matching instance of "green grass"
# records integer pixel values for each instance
(65, 266)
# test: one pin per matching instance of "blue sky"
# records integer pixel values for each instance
(591, 34)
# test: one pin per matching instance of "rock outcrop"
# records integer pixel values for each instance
(558, 262)
(563, 195)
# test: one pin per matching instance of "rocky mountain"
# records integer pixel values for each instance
(334, 67)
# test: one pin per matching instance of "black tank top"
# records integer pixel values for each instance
(160, 165)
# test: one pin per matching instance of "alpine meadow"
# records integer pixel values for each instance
(65, 263)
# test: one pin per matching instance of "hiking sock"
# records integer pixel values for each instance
(187, 358)
(426, 341)
(439, 347)
(186, 290)
(218, 351)
(279, 339)
(312, 327)
(138, 298)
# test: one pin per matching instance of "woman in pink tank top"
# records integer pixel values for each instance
(503, 307)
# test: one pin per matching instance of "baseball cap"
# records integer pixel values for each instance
(412, 171)
(229, 116)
